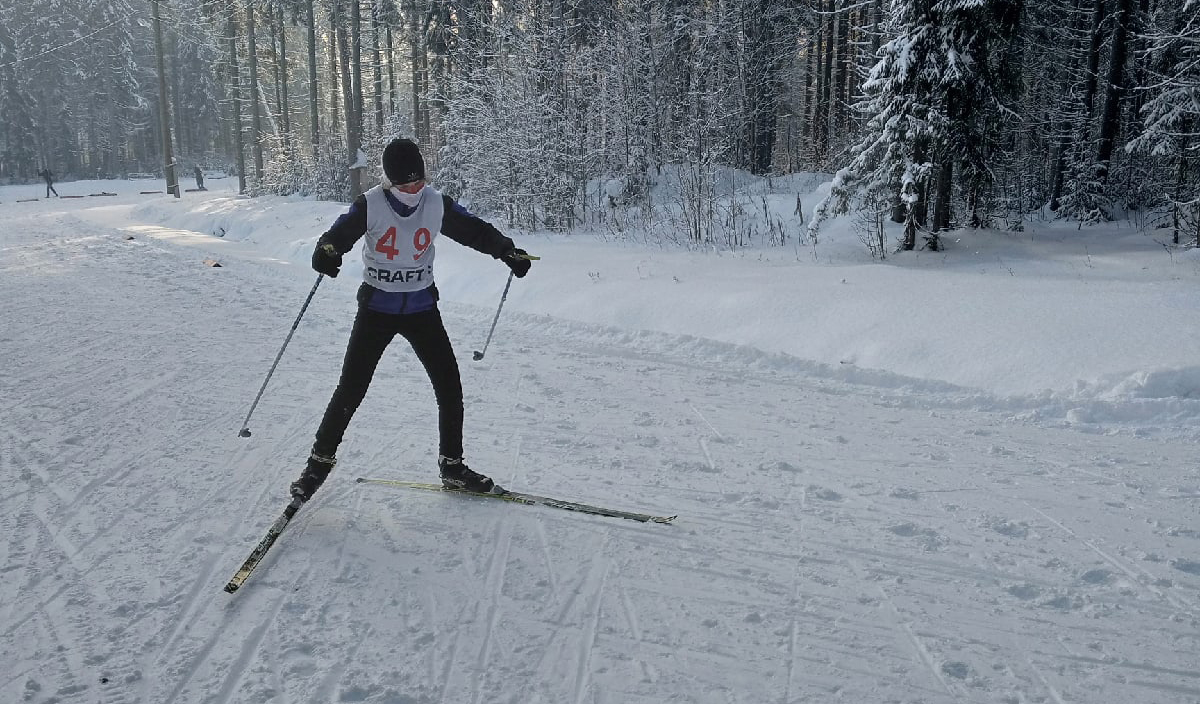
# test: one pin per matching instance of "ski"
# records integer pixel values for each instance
(263, 546)
(529, 499)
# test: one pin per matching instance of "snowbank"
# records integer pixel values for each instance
(1052, 319)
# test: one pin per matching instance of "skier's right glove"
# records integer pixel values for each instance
(327, 260)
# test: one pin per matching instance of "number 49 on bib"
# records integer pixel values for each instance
(386, 245)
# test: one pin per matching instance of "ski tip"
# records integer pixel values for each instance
(360, 480)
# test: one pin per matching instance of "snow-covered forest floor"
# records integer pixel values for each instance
(965, 476)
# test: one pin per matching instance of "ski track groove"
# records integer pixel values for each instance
(497, 569)
(630, 612)
(1139, 578)
(587, 641)
(797, 533)
(71, 551)
(923, 656)
(197, 602)
(560, 618)
(705, 420)
(547, 559)
(708, 458)
(193, 605)
(250, 646)
(62, 654)
(323, 693)
(559, 622)
(1041, 677)
(448, 664)
(201, 656)
(79, 625)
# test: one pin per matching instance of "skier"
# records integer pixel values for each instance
(49, 176)
(400, 218)
(199, 174)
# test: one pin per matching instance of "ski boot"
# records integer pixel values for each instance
(457, 475)
(313, 476)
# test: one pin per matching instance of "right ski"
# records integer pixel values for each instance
(263, 546)
(523, 498)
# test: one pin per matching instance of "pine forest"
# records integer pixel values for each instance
(937, 114)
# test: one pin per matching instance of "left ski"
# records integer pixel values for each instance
(260, 550)
(523, 498)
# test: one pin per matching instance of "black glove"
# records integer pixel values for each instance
(327, 260)
(518, 261)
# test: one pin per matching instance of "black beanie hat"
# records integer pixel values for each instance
(402, 162)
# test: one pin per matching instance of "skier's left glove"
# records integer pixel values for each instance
(327, 260)
(518, 260)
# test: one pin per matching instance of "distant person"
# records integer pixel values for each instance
(199, 178)
(49, 176)
(400, 219)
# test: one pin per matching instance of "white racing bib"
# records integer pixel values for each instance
(398, 251)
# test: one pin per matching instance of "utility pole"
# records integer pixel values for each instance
(164, 114)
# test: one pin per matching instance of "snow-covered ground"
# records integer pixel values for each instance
(964, 476)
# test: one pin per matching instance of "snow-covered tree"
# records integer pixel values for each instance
(932, 101)
(1171, 114)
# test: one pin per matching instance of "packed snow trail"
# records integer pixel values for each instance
(836, 541)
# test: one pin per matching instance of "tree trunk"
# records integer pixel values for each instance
(182, 142)
(806, 95)
(377, 67)
(941, 206)
(313, 102)
(391, 70)
(356, 72)
(822, 111)
(255, 115)
(840, 72)
(350, 103)
(1065, 141)
(276, 74)
(761, 87)
(235, 74)
(285, 109)
(916, 212)
(436, 73)
(334, 90)
(420, 113)
(1111, 121)
(1093, 58)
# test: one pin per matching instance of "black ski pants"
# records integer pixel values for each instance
(370, 337)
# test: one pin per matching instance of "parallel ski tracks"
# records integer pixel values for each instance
(591, 630)
(494, 588)
(1143, 580)
(252, 636)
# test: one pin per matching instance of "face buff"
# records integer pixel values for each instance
(412, 200)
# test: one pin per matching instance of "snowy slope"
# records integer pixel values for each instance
(866, 515)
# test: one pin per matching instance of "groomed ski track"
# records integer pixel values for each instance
(836, 541)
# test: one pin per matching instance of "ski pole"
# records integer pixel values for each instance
(245, 431)
(478, 354)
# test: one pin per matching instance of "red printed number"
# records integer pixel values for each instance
(387, 244)
(421, 241)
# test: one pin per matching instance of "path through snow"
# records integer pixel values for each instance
(837, 541)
